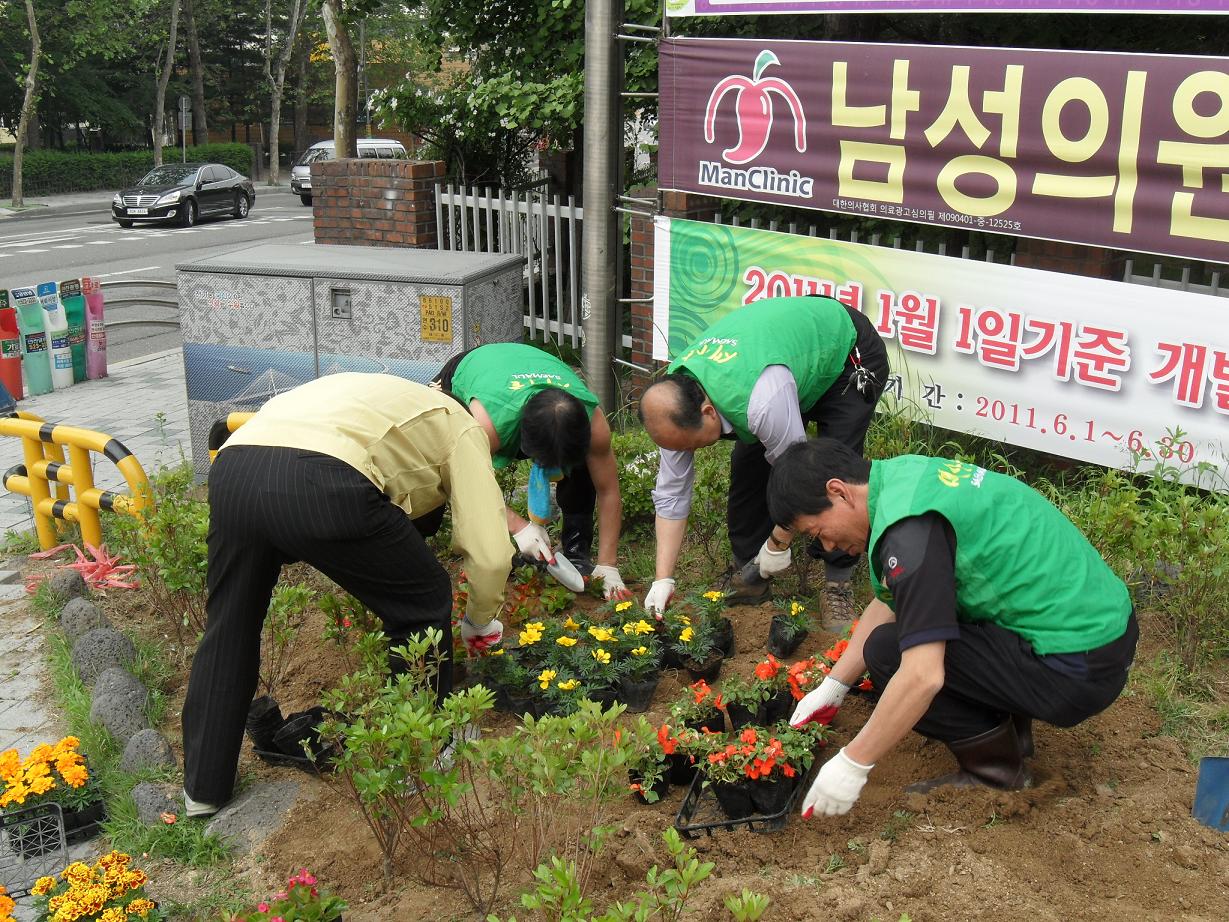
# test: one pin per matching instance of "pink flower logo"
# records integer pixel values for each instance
(753, 110)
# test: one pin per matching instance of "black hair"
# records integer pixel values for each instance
(555, 429)
(689, 397)
(799, 481)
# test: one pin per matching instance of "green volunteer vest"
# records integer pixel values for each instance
(502, 377)
(811, 336)
(1060, 595)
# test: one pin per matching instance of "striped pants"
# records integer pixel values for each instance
(274, 506)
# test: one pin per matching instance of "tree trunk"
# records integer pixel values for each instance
(200, 122)
(300, 98)
(164, 79)
(277, 78)
(345, 67)
(28, 103)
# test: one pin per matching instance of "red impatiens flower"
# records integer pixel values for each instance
(768, 669)
(701, 690)
(667, 742)
(748, 735)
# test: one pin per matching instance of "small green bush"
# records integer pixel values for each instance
(46, 172)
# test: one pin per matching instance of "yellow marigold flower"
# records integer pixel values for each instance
(683, 619)
(796, 609)
(545, 677)
(42, 785)
(643, 627)
(141, 906)
(640, 651)
(686, 634)
(624, 605)
(601, 656)
(10, 764)
(77, 871)
(528, 637)
(571, 624)
(114, 914)
(7, 905)
(535, 626)
(568, 685)
(41, 753)
(713, 595)
(499, 652)
(43, 886)
(567, 641)
(601, 634)
(629, 628)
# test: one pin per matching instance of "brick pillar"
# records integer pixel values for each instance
(383, 203)
(675, 205)
(1074, 259)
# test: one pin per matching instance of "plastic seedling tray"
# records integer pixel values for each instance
(700, 814)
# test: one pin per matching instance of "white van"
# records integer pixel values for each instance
(301, 174)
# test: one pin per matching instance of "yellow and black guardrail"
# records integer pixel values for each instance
(220, 431)
(43, 444)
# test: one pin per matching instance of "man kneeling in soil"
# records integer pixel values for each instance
(991, 609)
(348, 473)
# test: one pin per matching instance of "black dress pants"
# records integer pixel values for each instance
(991, 672)
(273, 506)
(843, 413)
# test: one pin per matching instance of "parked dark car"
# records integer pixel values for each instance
(184, 192)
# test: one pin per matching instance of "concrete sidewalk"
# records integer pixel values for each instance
(142, 403)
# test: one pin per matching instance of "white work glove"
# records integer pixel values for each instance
(480, 639)
(660, 594)
(612, 582)
(772, 562)
(533, 541)
(821, 704)
(836, 787)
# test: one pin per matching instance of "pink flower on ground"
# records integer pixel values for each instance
(262, 907)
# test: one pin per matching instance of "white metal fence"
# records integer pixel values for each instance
(545, 230)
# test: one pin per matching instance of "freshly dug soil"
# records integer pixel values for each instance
(1105, 833)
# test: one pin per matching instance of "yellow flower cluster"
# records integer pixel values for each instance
(640, 651)
(531, 633)
(545, 677)
(637, 627)
(567, 641)
(6, 905)
(602, 634)
(796, 609)
(96, 892)
(714, 595)
(571, 624)
(686, 634)
(38, 773)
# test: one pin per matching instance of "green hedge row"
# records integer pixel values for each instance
(48, 172)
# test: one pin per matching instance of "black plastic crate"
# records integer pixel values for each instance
(699, 813)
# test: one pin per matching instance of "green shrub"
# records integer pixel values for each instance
(168, 547)
(46, 172)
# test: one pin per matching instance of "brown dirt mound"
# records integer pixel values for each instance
(1105, 833)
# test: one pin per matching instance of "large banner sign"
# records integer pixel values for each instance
(745, 7)
(1116, 150)
(1116, 374)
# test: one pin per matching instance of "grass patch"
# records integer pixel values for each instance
(1192, 707)
(184, 842)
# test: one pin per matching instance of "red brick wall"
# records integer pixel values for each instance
(1074, 259)
(388, 203)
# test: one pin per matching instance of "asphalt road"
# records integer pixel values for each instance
(83, 240)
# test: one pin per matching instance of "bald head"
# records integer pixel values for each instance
(678, 415)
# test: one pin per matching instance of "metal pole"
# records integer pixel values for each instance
(601, 242)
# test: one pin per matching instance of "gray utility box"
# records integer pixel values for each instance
(262, 320)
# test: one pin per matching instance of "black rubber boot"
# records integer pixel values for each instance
(577, 541)
(992, 759)
(743, 585)
(1024, 733)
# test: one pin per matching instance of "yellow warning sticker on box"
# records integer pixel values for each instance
(436, 318)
